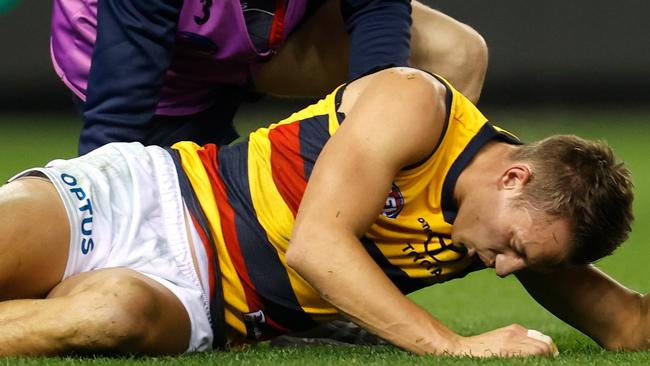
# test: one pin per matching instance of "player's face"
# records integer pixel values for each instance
(510, 237)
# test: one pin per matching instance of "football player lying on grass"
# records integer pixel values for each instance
(151, 250)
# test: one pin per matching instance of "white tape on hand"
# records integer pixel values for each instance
(532, 333)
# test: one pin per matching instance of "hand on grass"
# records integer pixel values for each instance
(513, 340)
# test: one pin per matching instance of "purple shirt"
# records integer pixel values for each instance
(160, 71)
(218, 51)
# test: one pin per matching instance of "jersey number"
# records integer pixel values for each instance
(200, 20)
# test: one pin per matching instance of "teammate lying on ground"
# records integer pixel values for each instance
(146, 250)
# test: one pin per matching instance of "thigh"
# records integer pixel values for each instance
(314, 59)
(35, 238)
(123, 312)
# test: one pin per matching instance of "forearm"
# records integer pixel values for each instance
(614, 316)
(357, 287)
(642, 332)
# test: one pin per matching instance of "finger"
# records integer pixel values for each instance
(534, 334)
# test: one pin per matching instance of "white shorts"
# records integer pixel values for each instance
(125, 210)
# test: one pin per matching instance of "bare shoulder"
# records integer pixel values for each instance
(414, 85)
(396, 105)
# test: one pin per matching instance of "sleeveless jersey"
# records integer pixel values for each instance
(213, 46)
(250, 193)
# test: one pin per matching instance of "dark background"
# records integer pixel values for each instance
(551, 52)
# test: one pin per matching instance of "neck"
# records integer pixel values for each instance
(483, 170)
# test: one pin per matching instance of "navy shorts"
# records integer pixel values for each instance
(213, 125)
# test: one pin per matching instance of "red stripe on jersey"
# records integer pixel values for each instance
(208, 156)
(287, 164)
(277, 28)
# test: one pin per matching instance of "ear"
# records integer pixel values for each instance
(515, 177)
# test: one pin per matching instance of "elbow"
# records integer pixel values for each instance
(308, 246)
(303, 261)
(296, 255)
(306, 242)
(640, 332)
(292, 256)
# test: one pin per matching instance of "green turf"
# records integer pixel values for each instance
(33, 140)
(477, 303)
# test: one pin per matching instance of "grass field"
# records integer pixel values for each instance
(475, 304)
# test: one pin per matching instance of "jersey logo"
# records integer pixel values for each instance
(200, 20)
(254, 322)
(436, 252)
(86, 210)
(394, 202)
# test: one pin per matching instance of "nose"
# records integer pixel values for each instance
(471, 252)
(507, 264)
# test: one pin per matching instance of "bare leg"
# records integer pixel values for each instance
(110, 311)
(442, 45)
(313, 61)
(34, 238)
(315, 58)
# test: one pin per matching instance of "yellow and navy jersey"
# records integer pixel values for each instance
(244, 199)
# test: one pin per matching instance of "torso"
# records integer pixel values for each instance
(257, 188)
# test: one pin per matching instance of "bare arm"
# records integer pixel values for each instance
(396, 121)
(586, 298)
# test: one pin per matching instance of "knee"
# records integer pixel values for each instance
(463, 54)
(472, 50)
(467, 62)
(118, 317)
(452, 49)
(474, 45)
